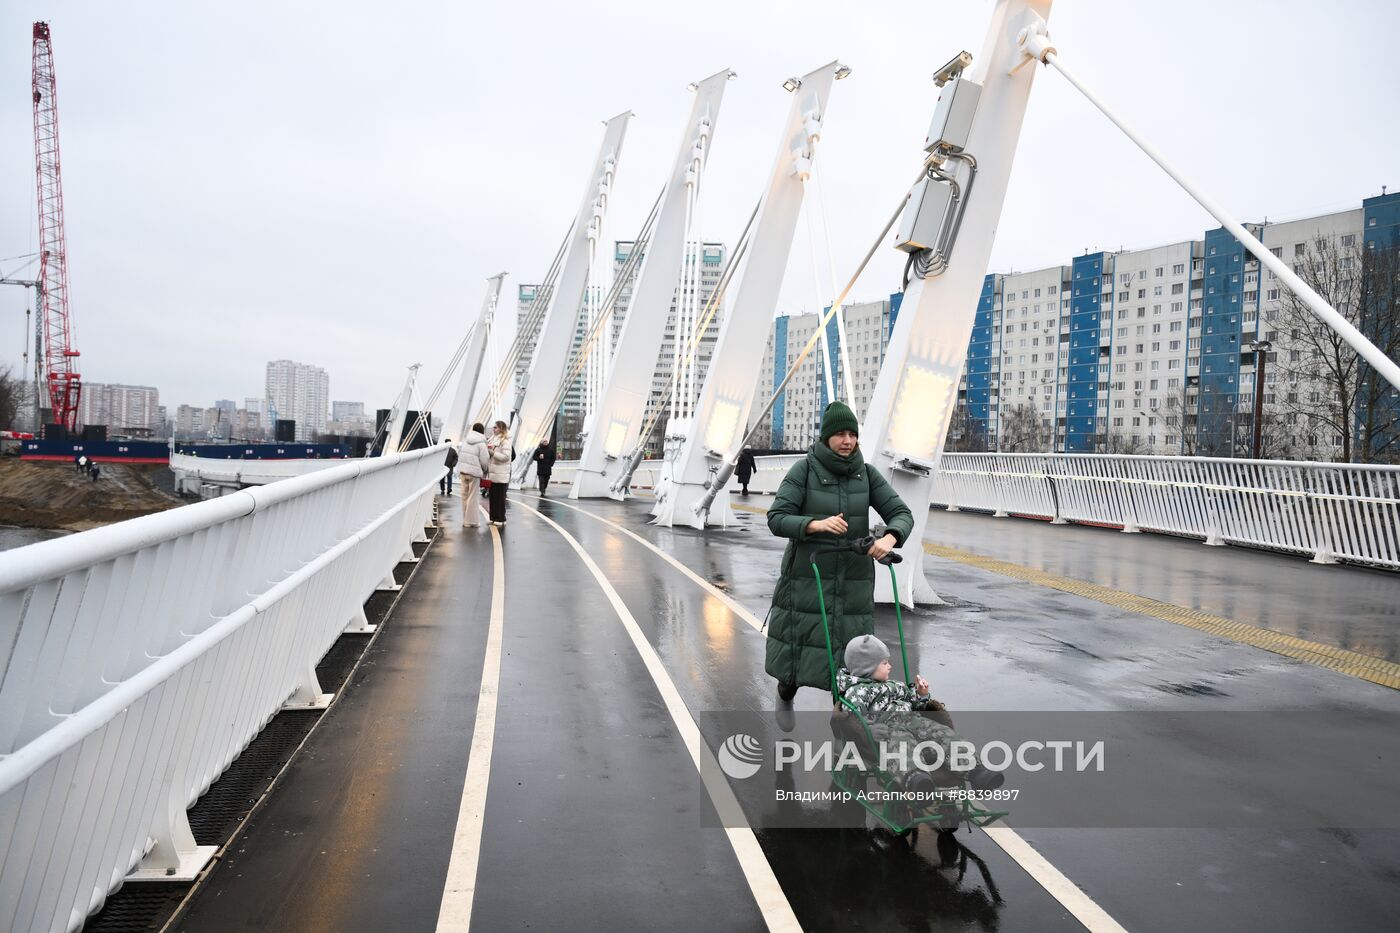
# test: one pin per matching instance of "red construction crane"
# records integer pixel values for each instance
(65, 384)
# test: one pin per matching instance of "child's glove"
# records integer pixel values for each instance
(920, 685)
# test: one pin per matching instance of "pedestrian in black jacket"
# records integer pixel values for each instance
(544, 465)
(745, 469)
(445, 484)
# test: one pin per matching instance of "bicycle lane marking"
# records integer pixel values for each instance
(763, 884)
(455, 911)
(729, 601)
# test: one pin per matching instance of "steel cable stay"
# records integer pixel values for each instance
(727, 465)
(847, 377)
(526, 326)
(634, 457)
(828, 372)
(1035, 41)
(603, 318)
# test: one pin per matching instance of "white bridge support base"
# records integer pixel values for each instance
(912, 405)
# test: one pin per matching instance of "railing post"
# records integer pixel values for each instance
(1324, 553)
(359, 624)
(175, 856)
(1057, 518)
(1213, 536)
(308, 694)
(1130, 525)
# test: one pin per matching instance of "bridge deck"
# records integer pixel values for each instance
(593, 805)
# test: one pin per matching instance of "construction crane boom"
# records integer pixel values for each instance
(64, 381)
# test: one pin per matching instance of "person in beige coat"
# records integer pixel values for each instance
(472, 464)
(501, 454)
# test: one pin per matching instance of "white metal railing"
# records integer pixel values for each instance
(191, 471)
(1329, 510)
(139, 659)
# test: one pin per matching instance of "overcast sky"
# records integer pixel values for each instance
(332, 182)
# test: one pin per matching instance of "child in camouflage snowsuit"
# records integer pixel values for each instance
(899, 713)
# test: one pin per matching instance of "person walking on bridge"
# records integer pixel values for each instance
(501, 454)
(744, 470)
(544, 465)
(826, 497)
(472, 464)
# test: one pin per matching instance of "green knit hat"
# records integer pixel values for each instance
(838, 417)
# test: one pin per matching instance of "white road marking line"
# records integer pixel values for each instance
(768, 894)
(1066, 892)
(455, 912)
(1070, 896)
(700, 581)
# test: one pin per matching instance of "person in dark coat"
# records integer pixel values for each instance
(544, 464)
(826, 497)
(445, 484)
(744, 470)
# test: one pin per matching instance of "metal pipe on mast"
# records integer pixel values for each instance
(976, 127)
(721, 414)
(551, 355)
(455, 425)
(613, 426)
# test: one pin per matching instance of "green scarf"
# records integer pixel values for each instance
(834, 463)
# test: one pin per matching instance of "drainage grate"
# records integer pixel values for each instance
(138, 907)
(335, 667)
(217, 814)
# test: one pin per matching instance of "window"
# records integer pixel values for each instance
(1178, 288)
(1156, 328)
(1053, 290)
(1174, 345)
(1175, 327)
(1349, 239)
(1179, 268)
(1299, 249)
(1142, 274)
(1142, 293)
(1156, 290)
(1176, 307)
(1158, 272)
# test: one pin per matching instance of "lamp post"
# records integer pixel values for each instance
(1261, 349)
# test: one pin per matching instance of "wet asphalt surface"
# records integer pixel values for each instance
(595, 816)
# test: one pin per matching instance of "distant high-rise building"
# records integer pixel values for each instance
(120, 407)
(1146, 351)
(342, 411)
(226, 404)
(712, 259)
(299, 392)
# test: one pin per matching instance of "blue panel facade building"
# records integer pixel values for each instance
(981, 353)
(780, 355)
(1219, 428)
(1082, 412)
(1380, 227)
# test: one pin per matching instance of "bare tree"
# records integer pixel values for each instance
(1324, 388)
(1119, 442)
(10, 395)
(965, 434)
(1024, 431)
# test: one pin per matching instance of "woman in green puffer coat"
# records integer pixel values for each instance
(824, 498)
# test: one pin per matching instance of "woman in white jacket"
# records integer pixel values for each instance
(473, 461)
(498, 472)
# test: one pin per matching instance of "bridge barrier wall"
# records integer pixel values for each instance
(191, 472)
(1332, 511)
(139, 659)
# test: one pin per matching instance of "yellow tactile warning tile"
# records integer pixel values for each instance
(1352, 663)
